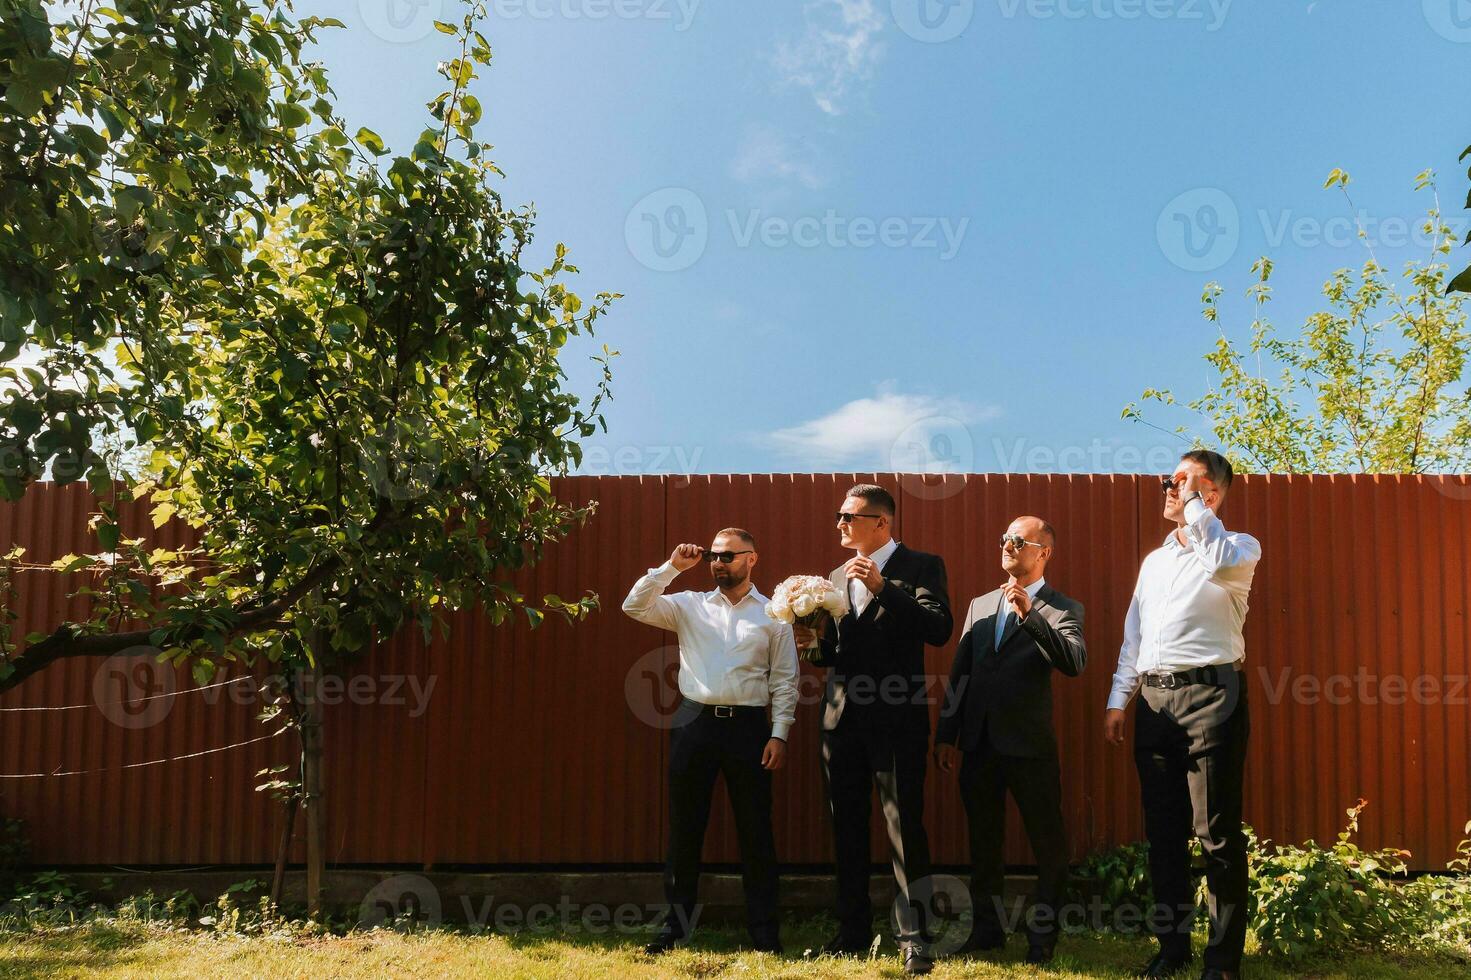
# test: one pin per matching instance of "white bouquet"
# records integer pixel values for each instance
(807, 600)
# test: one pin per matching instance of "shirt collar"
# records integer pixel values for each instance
(717, 597)
(884, 553)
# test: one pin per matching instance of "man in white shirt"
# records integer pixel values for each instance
(734, 663)
(1183, 654)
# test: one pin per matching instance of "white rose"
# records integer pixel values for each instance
(804, 605)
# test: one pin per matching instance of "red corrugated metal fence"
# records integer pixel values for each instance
(517, 747)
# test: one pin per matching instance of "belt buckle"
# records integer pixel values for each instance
(724, 711)
(1164, 680)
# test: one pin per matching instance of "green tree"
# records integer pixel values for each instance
(331, 362)
(1372, 384)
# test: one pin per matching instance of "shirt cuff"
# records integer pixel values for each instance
(779, 729)
(1193, 516)
(665, 573)
(1118, 701)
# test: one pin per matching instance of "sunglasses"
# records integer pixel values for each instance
(1170, 484)
(843, 518)
(1016, 542)
(724, 557)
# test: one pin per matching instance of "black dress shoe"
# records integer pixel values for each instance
(916, 963)
(1166, 965)
(841, 945)
(662, 944)
(1039, 955)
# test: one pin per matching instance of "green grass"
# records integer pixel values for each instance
(115, 948)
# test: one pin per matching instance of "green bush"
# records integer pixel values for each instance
(1307, 899)
(15, 854)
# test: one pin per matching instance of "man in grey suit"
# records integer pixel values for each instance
(998, 712)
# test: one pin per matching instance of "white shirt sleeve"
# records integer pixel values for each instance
(1213, 544)
(647, 603)
(782, 681)
(1126, 677)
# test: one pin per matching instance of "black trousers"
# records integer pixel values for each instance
(1190, 749)
(703, 746)
(854, 761)
(1036, 784)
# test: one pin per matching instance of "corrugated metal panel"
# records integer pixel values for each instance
(541, 747)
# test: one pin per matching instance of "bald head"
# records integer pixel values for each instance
(1026, 548)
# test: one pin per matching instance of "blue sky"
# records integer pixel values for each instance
(932, 234)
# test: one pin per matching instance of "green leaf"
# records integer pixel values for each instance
(1462, 283)
(293, 115)
(371, 141)
(107, 536)
(444, 28)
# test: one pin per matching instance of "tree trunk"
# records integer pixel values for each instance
(278, 880)
(312, 787)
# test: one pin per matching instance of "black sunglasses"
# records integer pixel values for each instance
(843, 518)
(1018, 542)
(724, 557)
(1168, 483)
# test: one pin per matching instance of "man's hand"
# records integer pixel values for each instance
(866, 570)
(1113, 726)
(947, 757)
(774, 755)
(806, 638)
(686, 556)
(1017, 597)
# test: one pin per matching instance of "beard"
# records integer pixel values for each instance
(729, 579)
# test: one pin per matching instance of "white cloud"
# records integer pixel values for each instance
(839, 46)
(889, 431)
(766, 154)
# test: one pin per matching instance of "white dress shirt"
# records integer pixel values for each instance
(1005, 609)
(1189, 604)
(858, 594)
(729, 653)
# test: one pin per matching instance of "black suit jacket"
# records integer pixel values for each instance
(1006, 692)
(876, 675)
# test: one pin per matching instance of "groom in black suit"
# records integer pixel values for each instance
(998, 712)
(875, 717)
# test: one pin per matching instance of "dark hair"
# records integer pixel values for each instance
(1217, 467)
(744, 535)
(876, 496)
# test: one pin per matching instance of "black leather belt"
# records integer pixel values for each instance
(1218, 675)
(730, 710)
